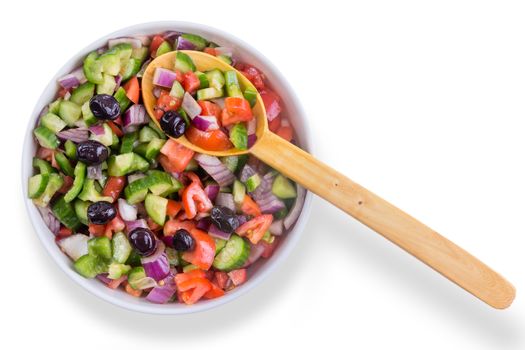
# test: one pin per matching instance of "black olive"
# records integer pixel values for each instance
(104, 107)
(143, 240)
(183, 241)
(224, 218)
(92, 152)
(100, 213)
(173, 124)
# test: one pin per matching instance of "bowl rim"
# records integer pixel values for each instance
(104, 293)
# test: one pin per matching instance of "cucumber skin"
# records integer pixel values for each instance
(65, 214)
(42, 181)
(78, 182)
(225, 261)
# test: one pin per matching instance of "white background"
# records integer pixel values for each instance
(420, 101)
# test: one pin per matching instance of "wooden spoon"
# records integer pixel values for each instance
(392, 223)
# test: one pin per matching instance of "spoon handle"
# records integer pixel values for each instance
(392, 223)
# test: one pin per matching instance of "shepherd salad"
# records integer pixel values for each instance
(141, 212)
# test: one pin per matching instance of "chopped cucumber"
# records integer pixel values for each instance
(147, 134)
(64, 164)
(131, 68)
(69, 112)
(233, 89)
(216, 79)
(90, 193)
(82, 93)
(239, 136)
(101, 247)
(53, 185)
(108, 85)
(219, 244)
(37, 185)
(65, 213)
(81, 210)
(78, 182)
(128, 140)
(137, 279)
(134, 259)
(251, 95)
(154, 126)
(116, 270)
(283, 188)
(209, 93)
(239, 191)
(199, 42)
(46, 138)
(122, 99)
(93, 68)
(43, 166)
(121, 247)
(253, 182)
(52, 122)
(233, 255)
(153, 149)
(177, 90)
(90, 266)
(87, 116)
(226, 59)
(203, 79)
(184, 116)
(140, 53)
(156, 208)
(159, 182)
(137, 190)
(184, 63)
(70, 149)
(54, 106)
(173, 256)
(176, 185)
(230, 162)
(110, 61)
(126, 163)
(165, 47)
(105, 138)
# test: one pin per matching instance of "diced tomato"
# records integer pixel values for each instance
(210, 51)
(238, 276)
(221, 278)
(253, 75)
(194, 178)
(66, 186)
(116, 282)
(166, 164)
(255, 229)
(186, 276)
(64, 231)
(191, 82)
(194, 200)
(249, 207)
(131, 291)
(132, 89)
(204, 252)
(214, 292)
(237, 110)
(114, 186)
(178, 155)
(62, 92)
(215, 140)
(165, 103)
(210, 108)
(155, 43)
(285, 132)
(179, 76)
(173, 225)
(269, 247)
(153, 225)
(275, 124)
(271, 104)
(197, 286)
(45, 153)
(115, 128)
(173, 208)
(115, 225)
(118, 121)
(96, 230)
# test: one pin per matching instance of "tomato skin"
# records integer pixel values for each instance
(96, 230)
(210, 51)
(214, 292)
(269, 247)
(114, 284)
(115, 128)
(132, 89)
(173, 208)
(285, 132)
(191, 286)
(155, 43)
(271, 104)
(253, 75)
(191, 82)
(115, 225)
(237, 110)
(64, 231)
(178, 156)
(66, 186)
(215, 140)
(194, 199)
(238, 277)
(165, 103)
(222, 279)
(210, 108)
(250, 207)
(204, 252)
(275, 124)
(114, 186)
(173, 225)
(255, 229)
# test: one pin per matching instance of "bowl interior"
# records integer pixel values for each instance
(291, 108)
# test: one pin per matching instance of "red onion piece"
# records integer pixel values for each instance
(72, 79)
(127, 211)
(118, 82)
(277, 228)
(292, 216)
(131, 225)
(134, 116)
(164, 290)
(225, 200)
(251, 127)
(205, 122)
(156, 265)
(256, 251)
(204, 224)
(97, 129)
(184, 44)
(74, 246)
(104, 278)
(216, 169)
(134, 42)
(264, 196)
(171, 36)
(215, 232)
(49, 219)
(190, 106)
(219, 101)
(251, 140)
(247, 172)
(75, 134)
(94, 172)
(144, 39)
(212, 191)
(164, 77)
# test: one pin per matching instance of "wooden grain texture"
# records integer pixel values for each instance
(392, 223)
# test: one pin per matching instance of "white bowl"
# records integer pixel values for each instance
(291, 107)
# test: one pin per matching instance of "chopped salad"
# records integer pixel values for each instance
(139, 211)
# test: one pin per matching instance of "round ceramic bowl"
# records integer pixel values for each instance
(291, 108)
